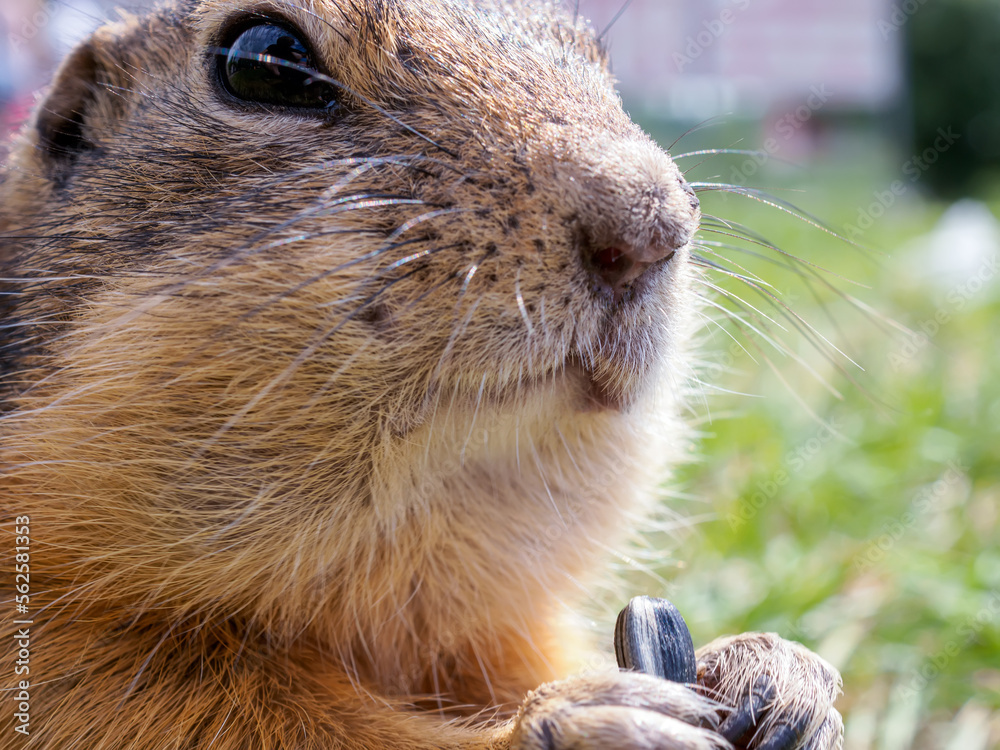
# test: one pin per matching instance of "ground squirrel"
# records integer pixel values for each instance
(341, 338)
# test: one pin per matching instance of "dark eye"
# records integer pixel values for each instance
(268, 64)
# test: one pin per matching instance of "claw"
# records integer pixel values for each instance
(781, 737)
(739, 726)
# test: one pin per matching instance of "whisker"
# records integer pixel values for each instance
(695, 128)
(779, 347)
(784, 253)
(719, 264)
(520, 303)
(743, 303)
(417, 256)
(618, 15)
(287, 373)
(386, 247)
(729, 315)
(797, 320)
(774, 202)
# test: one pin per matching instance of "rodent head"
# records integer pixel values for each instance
(240, 314)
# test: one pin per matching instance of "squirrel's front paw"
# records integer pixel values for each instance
(782, 694)
(625, 711)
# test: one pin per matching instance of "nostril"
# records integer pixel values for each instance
(618, 266)
(611, 261)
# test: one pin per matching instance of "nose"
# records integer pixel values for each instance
(645, 214)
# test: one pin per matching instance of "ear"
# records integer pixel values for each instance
(61, 123)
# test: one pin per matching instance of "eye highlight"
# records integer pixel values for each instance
(268, 64)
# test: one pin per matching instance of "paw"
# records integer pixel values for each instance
(624, 711)
(781, 693)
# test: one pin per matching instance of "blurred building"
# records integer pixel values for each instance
(688, 60)
(680, 59)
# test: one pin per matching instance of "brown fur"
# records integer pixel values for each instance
(321, 425)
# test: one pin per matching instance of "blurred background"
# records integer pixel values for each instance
(845, 488)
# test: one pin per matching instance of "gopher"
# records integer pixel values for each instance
(340, 340)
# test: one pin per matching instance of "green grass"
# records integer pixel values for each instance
(879, 547)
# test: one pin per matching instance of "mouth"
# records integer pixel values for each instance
(600, 396)
(597, 391)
